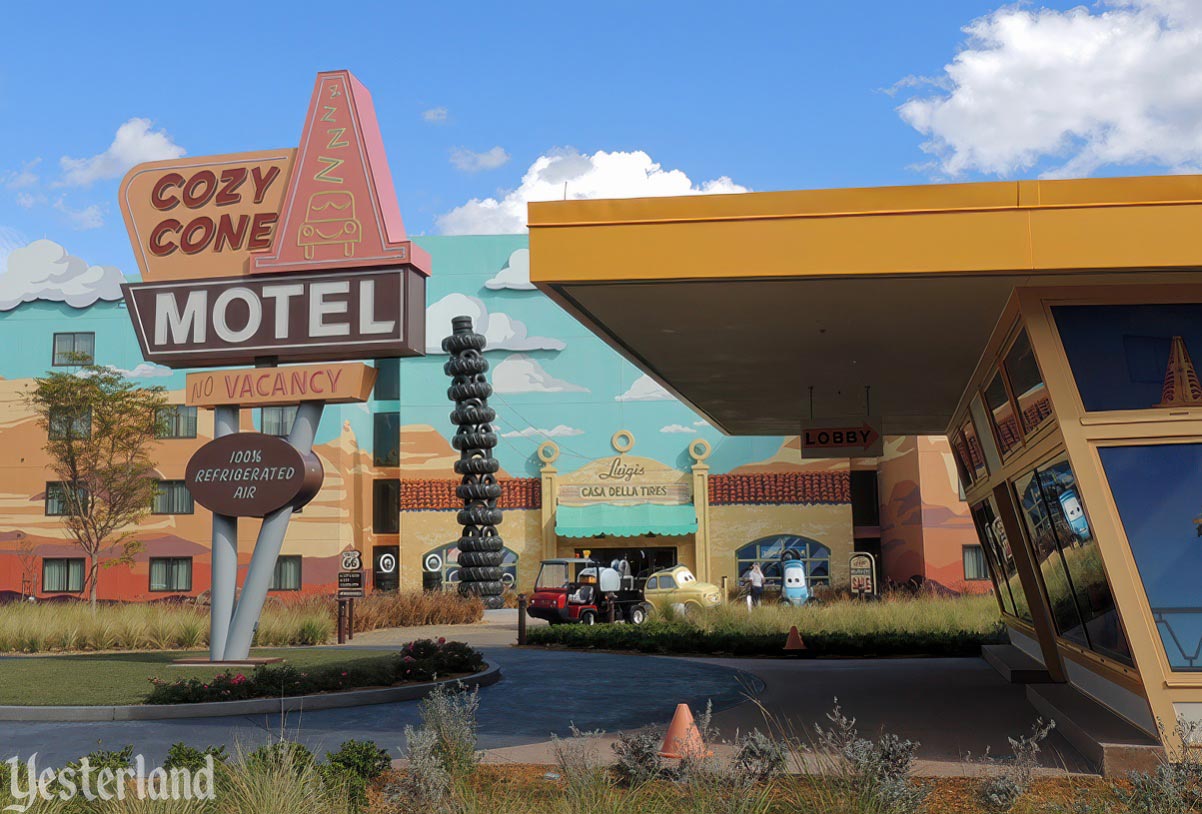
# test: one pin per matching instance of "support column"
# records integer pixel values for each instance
(224, 553)
(267, 547)
(550, 496)
(701, 504)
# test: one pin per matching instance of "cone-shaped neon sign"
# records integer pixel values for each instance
(1181, 385)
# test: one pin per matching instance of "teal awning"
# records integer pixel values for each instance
(625, 521)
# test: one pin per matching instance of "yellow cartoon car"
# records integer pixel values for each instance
(329, 221)
(677, 587)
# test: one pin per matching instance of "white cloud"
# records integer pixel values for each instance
(678, 428)
(435, 115)
(469, 161)
(28, 200)
(144, 370)
(90, 217)
(600, 175)
(134, 143)
(44, 271)
(515, 275)
(22, 178)
(502, 331)
(558, 431)
(701, 423)
(645, 388)
(1076, 90)
(520, 373)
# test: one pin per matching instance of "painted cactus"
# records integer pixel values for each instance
(480, 547)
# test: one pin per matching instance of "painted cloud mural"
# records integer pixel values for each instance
(515, 275)
(645, 388)
(558, 431)
(44, 270)
(520, 373)
(502, 331)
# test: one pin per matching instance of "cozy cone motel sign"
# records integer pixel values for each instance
(295, 255)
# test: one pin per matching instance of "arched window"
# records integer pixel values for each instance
(767, 551)
(447, 563)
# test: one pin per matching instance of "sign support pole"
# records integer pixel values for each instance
(224, 562)
(267, 547)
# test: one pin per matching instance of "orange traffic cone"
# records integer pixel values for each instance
(794, 641)
(683, 738)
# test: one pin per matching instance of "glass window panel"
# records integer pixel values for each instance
(62, 575)
(1002, 413)
(768, 552)
(287, 573)
(667, 582)
(171, 574)
(65, 425)
(386, 506)
(1069, 560)
(172, 497)
(74, 349)
(450, 564)
(992, 534)
(1132, 357)
(975, 456)
(177, 421)
(388, 380)
(1155, 489)
(277, 420)
(386, 439)
(974, 563)
(1034, 406)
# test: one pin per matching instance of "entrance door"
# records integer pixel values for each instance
(643, 561)
(385, 568)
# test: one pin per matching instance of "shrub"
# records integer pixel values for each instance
(1175, 787)
(419, 661)
(1003, 790)
(929, 626)
(881, 771)
(282, 753)
(353, 766)
(450, 713)
(426, 782)
(182, 756)
(638, 759)
(759, 758)
(415, 609)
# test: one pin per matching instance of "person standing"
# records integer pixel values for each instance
(755, 583)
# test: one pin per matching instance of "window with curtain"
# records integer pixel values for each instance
(386, 439)
(767, 551)
(287, 574)
(388, 380)
(176, 421)
(386, 506)
(74, 349)
(56, 499)
(277, 420)
(62, 575)
(974, 563)
(172, 574)
(172, 497)
(67, 424)
(1069, 561)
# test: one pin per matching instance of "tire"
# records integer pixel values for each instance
(464, 391)
(482, 573)
(489, 490)
(481, 543)
(480, 559)
(474, 439)
(477, 465)
(457, 342)
(470, 364)
(473, 414)
(636, 614)
(481, 589)
(477, 516)
(588, 618)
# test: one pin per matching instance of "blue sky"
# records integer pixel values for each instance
(766, 95)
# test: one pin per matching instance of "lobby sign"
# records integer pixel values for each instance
(249, 474)
(262, 386)
(357, 314)
(625, 479)
(842, 438)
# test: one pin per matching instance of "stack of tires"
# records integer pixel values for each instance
(480, 547)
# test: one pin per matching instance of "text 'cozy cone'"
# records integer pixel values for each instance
(684, 738)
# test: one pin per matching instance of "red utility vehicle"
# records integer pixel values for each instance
(585, 591)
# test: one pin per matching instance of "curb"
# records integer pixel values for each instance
(250, 706)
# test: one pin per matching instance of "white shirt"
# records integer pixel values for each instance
(756, 578)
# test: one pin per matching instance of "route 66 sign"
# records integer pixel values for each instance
(351, 560)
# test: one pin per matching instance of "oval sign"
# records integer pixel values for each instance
(249, 474)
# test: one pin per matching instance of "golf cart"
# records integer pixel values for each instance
(585, 591)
